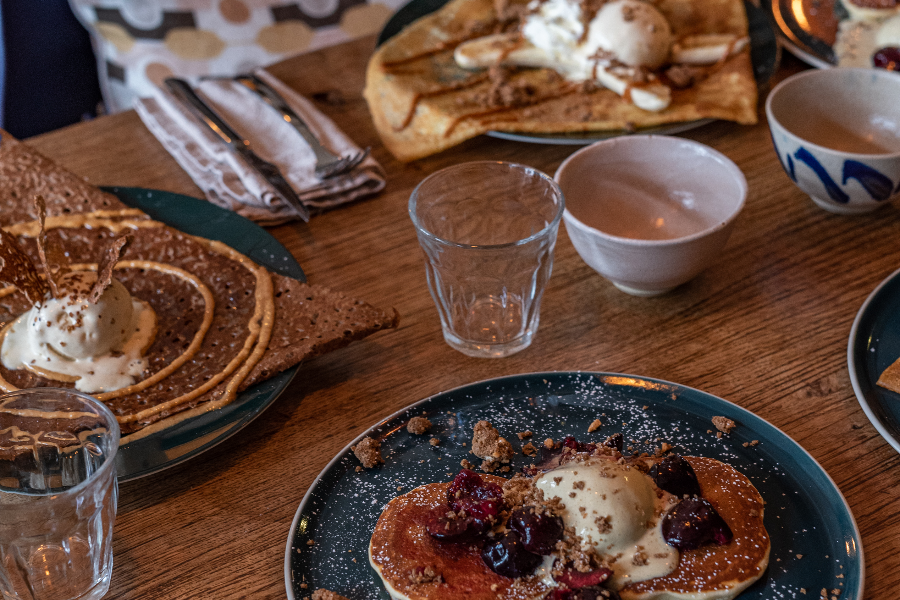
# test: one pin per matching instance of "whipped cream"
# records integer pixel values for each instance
(615, 508)
(98, 346)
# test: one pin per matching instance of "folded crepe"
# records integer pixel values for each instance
(261, 323)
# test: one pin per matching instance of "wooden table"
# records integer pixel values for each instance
(766, 327)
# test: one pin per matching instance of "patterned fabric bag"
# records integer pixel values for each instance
(139, 43)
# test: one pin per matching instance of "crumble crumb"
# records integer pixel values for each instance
(310, 542)
(548, 444)
(323, 594)
(594, 426)
(421, 575)
(418, 425)
(505, 469)
(489, 466)
(368, 451)
(487, 443)
(529, 449)
(723, 424)
(465, 464)
(359, 469)
(434, 441)
(524, 434)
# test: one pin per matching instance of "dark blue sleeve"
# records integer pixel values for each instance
(50, 74)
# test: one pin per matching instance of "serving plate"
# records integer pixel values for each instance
(188, 438)
(764, 53)
(807, 28)
(875, 344)
(815, 542)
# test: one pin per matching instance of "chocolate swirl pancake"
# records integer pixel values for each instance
(223, 322)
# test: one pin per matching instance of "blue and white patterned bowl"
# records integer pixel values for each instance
(837, 135)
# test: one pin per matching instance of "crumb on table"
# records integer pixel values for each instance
(368, 451)
(594, 426)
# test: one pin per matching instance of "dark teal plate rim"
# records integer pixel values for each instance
(185, 440)
(874, 344)
(765, 54)
(815, 540)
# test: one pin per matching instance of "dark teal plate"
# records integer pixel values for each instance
(874, 345)
(815, 542)
(190, 437)
(764, 53)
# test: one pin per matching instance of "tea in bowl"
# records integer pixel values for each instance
(650, 212)
(837, 136)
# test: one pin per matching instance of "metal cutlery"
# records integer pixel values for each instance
(183, 91)
(328, 164)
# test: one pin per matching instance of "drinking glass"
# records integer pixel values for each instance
(58, 495)
(488, 230)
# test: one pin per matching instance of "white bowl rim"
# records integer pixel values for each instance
(729, 164)
(880, 73)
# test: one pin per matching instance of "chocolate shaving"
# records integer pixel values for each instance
(41, 205)
(17, 269)
(107, 263)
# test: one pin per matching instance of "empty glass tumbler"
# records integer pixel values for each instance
(488, 230)
(58, 495)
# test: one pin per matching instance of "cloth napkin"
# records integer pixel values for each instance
(226, 179)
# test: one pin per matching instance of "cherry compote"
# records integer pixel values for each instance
(539, 532)
(472, 508)
(694, 522)
(480, 499)
(676, 476)
(507, 556)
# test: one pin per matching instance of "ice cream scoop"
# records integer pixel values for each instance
(615, 508)
(619, 47)
(98, 345)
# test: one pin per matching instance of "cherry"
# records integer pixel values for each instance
(460, 529)
(694, 522)
(576, 579)
(481, 500)
(539, 532)
(887, 58)
(676, 476)
(508, 557)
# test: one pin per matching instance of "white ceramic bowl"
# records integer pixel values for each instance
(837, 135)
(650, 212)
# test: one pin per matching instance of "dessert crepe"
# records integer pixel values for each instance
(423, 102)
(223, 322)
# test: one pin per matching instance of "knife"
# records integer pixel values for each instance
(183, 91)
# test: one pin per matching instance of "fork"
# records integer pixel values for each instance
(328, 164)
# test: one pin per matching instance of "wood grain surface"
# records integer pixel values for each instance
(766, 327)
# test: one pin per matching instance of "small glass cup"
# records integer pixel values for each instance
(58, 495)
(488, 230)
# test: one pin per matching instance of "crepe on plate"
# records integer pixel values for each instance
(260, 323)
(422, 102)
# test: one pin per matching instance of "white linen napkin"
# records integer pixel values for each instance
(227, 180)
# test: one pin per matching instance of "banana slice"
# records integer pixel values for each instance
(510, 49)
(707, 49)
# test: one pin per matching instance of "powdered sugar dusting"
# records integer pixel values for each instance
(805, 516)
